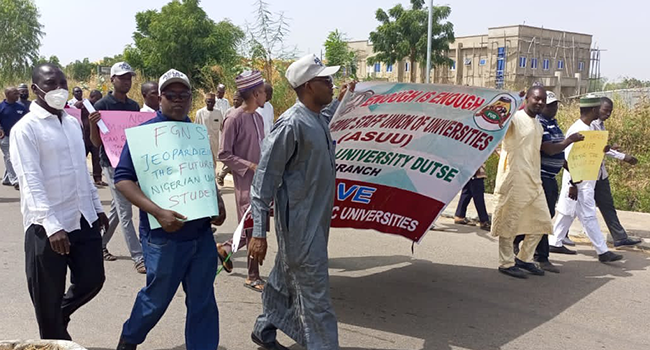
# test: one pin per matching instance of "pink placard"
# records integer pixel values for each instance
(117, 122)
(75, 112)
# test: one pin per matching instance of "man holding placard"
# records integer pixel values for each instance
(577, 198)
(121, 210)
(166, 168)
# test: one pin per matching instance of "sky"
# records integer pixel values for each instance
(75, 29)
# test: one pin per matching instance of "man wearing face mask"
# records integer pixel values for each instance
(61, 210)
(121, 209)
(180, 252)
(10, 113)
(24, 96)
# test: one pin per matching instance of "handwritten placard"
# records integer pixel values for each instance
(586, 157)
(76, 113)
(117, 122)
(175, 170)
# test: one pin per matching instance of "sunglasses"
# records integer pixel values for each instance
(183, 96)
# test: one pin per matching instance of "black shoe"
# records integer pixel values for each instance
(123, 345)
(513, 271)
(515, 249)
(267, 346)
(609, 257)
(548, 266)
(220, 181)
(530, 267)
(628, 242)
(561, 250)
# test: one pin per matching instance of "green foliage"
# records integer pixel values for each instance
(80, 70)
(20, 37)
(183, 37)
(403, 34)
(109, 61)
(337, 53)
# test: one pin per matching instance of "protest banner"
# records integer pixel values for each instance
(117, 122)
(403, 151)
(175, 170)
(76, 113)
(585, 157)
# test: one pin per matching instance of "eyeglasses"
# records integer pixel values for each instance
(183, 96)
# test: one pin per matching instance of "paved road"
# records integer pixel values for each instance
(446, 295)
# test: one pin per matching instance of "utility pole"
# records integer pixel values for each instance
(428, 78)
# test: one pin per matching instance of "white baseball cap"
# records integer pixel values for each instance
(550, 97)
(121, 68)
(173, 76)
(308, 68)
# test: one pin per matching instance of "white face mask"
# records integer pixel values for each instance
(56, 99)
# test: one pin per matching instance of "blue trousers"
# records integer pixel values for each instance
(169, 264)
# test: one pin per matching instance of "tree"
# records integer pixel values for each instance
(42, 59)
(20, 38)
(338, 53)
(81, 70)
(182, 36)
(403, 34)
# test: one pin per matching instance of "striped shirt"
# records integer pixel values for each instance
(551, 165)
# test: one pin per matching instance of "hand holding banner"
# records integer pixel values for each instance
(117, 122)
(175, 170)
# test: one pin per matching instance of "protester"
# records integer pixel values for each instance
(237, 102)
(211, 118)
(222, 103)
(552, 161)
(577, 199)
(603, 191)
(474, 189)
(521, 208)
(150, 96)
(61, 210)
(243, 133)
(180, 252)
(297, 172)
(78, 96)
(24, 96)
(121, 209)
(267, 112)
(95, 96)
(10, 113)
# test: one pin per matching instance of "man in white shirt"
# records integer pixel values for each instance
(150, 96)
(267, 111)
(61, 210)
(78, 95)
(221, 102)
(212, 119)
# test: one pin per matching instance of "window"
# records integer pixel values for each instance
(560, 64)
(406, 67)
(482, 62)
(453, 64)
(468, 61)
(581, 66)
(533, 63)
(389, 68)
(377, 67)
(547, 64)
(522, 62)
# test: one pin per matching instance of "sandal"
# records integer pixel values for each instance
(108, 256)
(223, 256)
(460, 221)
(257, 286)
(486, 226)
(139, 266)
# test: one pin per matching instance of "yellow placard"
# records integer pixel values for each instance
(586, 156)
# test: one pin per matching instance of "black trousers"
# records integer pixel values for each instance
(552, 193)
(474, 189)
(605, 203)
(94, 156)
(46, 276)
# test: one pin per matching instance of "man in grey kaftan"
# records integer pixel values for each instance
(297, 172)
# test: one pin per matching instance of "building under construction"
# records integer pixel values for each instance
(512, 57)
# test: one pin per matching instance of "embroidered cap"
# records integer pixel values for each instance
(248, 80)
(121, 68)
(308, 68)
(173, 76)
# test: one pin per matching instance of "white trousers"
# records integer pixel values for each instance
(585, 210)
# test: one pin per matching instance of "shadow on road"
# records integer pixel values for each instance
(180, 347)
(9, 200)
(461, 306)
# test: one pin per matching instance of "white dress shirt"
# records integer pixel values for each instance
(222, 104)
(146, 108)
(269, 118)
(49, 157)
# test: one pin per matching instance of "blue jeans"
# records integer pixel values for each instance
(170, 263)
